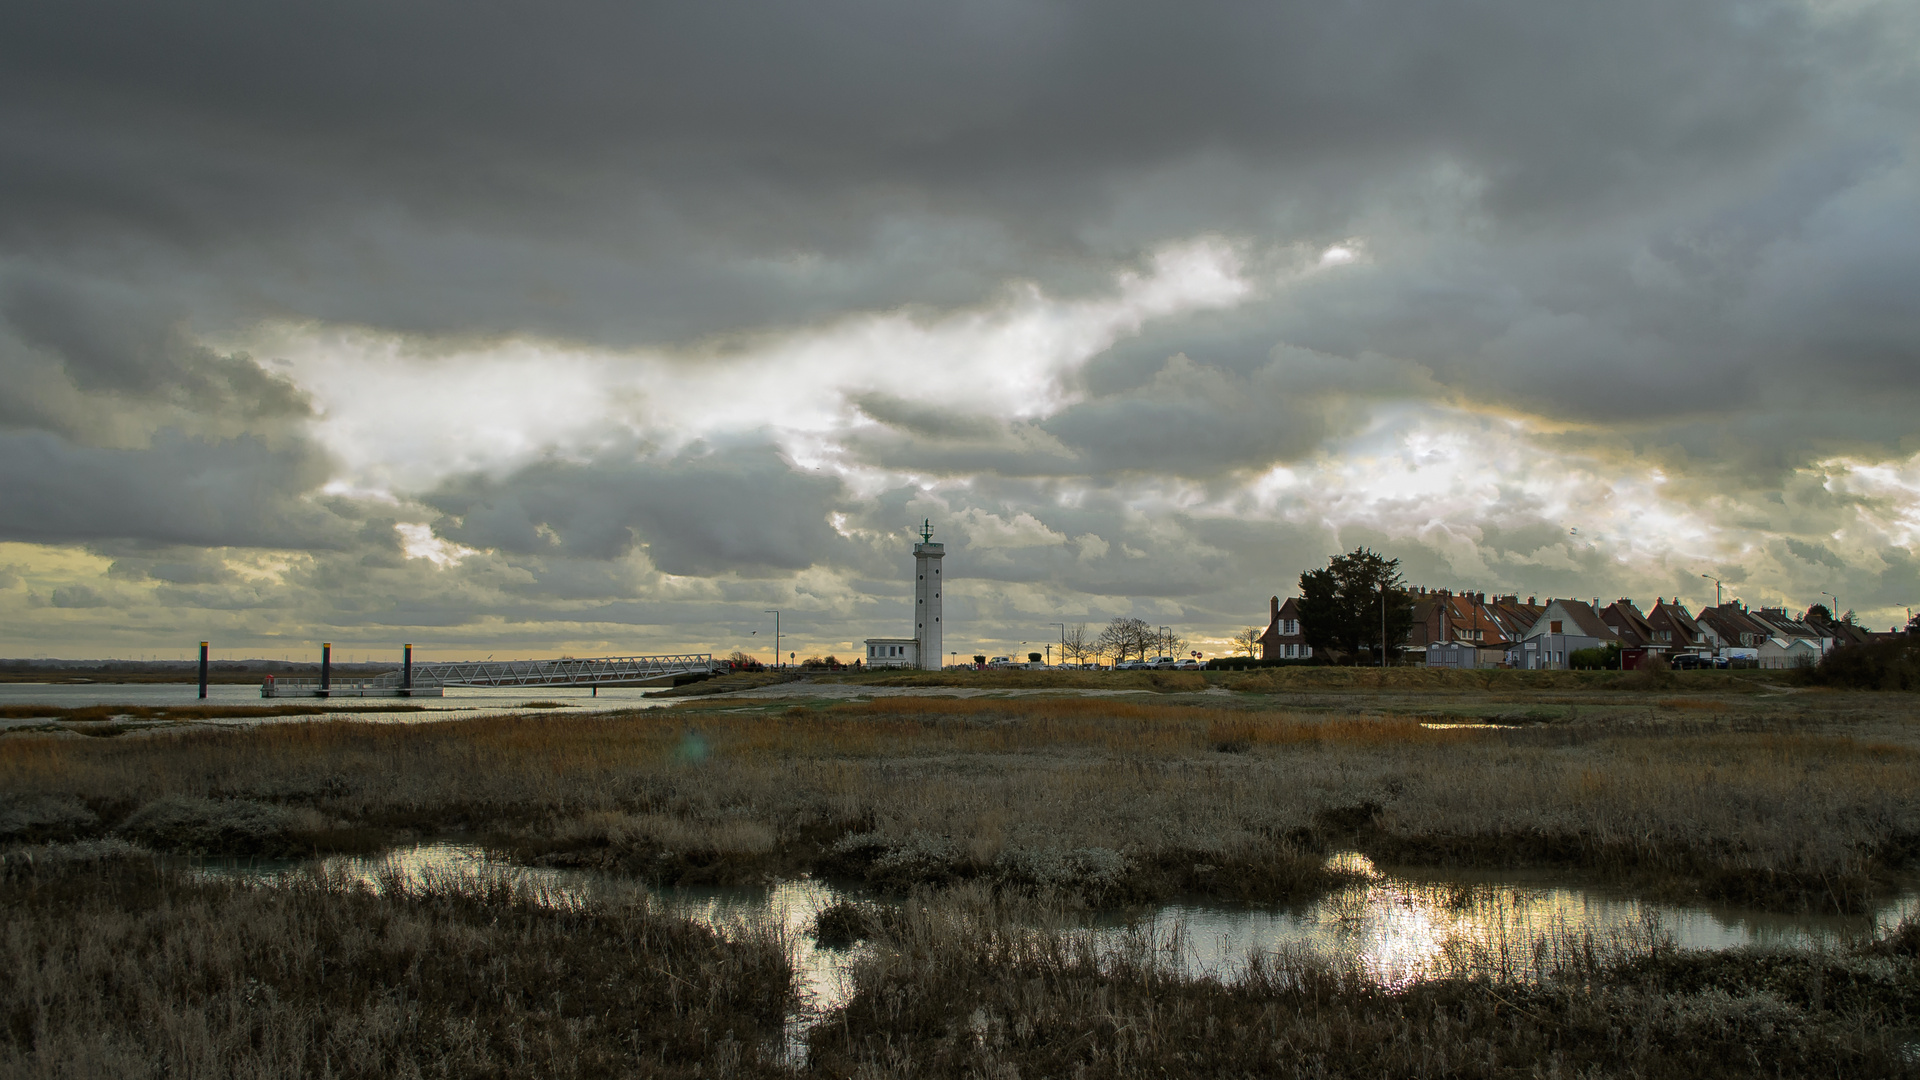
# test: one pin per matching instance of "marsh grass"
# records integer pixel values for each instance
(113, 966)
(1124, 799)
(983, 986)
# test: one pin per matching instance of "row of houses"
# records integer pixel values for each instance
(1469, 630)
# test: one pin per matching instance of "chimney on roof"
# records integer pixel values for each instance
(1531, 603)
(1273, 611)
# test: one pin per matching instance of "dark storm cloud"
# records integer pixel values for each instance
(622, 172)
(705, 511)
(1687, 227)
(1198, 419)
(244, 492)
(174, 565)
(65, 341)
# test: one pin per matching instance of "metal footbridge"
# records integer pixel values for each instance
(430, 679)
(566, 671)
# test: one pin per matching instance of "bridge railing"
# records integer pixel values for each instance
(566, 671)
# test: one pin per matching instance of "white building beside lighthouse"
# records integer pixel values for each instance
(923, 649)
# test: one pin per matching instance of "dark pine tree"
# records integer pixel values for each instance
(1342, 605)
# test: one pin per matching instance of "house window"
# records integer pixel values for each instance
(1553, 627)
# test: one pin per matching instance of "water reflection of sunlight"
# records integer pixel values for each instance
(1397, 932)
(823, 976)
(1392, 930)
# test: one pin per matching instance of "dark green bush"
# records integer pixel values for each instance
(1876, 665)
(1600, 658)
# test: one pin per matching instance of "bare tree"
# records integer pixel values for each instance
(1125, 637)
(1247, 641)
(1074, 645)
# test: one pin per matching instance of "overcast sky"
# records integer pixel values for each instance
(604, 327)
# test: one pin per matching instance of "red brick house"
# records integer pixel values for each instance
(1675, 628)
(1283, 640)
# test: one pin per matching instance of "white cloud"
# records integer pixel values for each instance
(419, 542)
(401, 415)
(1022, 530)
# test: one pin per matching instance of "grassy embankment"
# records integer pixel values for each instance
(1800, 801)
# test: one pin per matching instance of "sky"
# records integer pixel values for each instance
(605, 328)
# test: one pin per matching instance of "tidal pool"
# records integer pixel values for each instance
(1398, 926)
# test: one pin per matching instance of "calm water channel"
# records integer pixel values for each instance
(1397, 927)
(460, 701)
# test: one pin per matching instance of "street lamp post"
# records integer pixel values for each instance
(1166, 641)
(1063, 643)
(776, 636)
(1834, 615)
(1717, 598)
(1383, 624)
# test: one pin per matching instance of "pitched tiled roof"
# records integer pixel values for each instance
(1675, 616)
(1729, 622)
(1584, 618)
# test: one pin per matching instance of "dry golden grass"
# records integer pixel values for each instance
(1121, 797)
(1694, 704)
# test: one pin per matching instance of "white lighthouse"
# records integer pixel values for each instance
(926, 597)
(923, 649)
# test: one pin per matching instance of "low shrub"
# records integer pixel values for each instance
(39, 818)
(844, 923)
(228, 827)
(1874, 665)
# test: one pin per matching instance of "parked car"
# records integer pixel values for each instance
(1163, 662)
(1002, 662)
(1189, 664)
(1131, 665)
